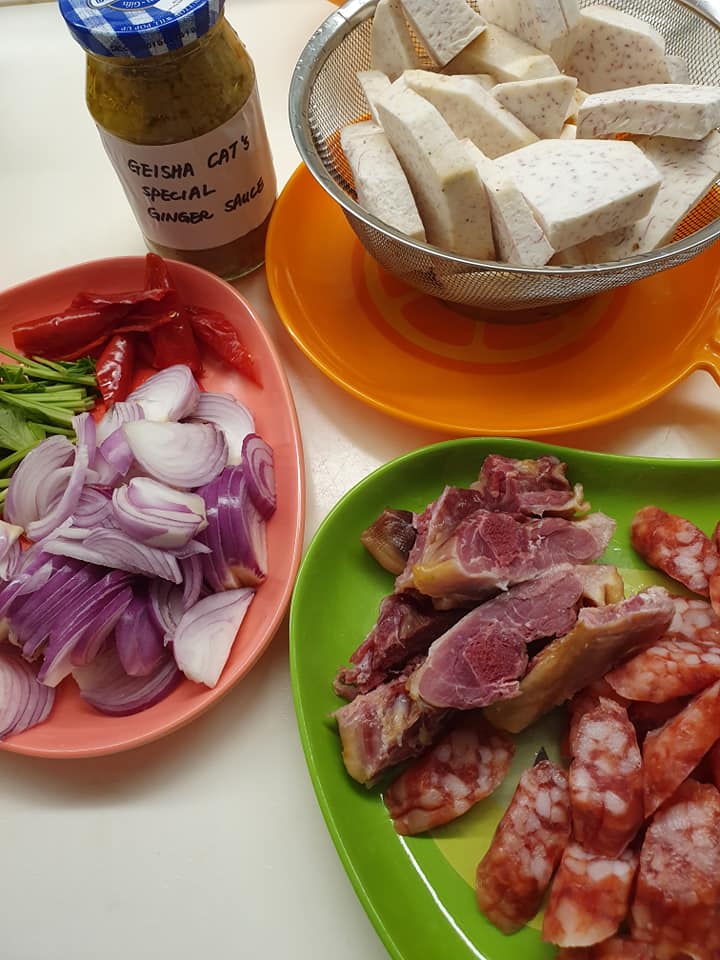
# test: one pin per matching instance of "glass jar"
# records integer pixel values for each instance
(175, 99)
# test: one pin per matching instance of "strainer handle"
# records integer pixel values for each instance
(710, 9)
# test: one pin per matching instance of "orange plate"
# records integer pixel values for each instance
(75, 729)
(419, 359)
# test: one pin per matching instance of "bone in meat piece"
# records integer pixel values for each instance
(583, 188)
(374, 84)
(504, 56)
(678, 68)
(601, 636)
(445, 26)
(381, 186)
(471, 112)
(686, 111)
(446, 184)
(546, 24)
(601, 582)
(613, 49)
(519, 238)
(541, 104)
(491, 551)
(480, 659)
(392, 49)
(689, 169)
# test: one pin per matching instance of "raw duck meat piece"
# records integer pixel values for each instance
(616, 948)
(436, 524)
(671, 753)
(384, 727)
(601, 636)
(406, 626)
(606, 783)
(480, 659)
(514, 874)
(589, 897)
(389, 539)
(671, 667)
(534, 488)
(467, 765)
(675, 546)
(676, 906)
(491, 551)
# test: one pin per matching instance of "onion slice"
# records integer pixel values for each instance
(138, 642)
(21, 504)
(259, 470)
(84, 427)
(158, 515)
(206, 633)
(229, 416)
(112, 548)
(170, 394)
(23, 701)
(10, 552)
(184, 455)
(105, 685)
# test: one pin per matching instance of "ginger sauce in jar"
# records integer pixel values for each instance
(174, 95)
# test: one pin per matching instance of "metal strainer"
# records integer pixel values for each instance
(325, 96)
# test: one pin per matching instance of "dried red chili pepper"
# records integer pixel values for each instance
(115, 368)
(174, 342)
(69, 333)
(214, 329)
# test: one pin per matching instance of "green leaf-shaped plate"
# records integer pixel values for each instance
(418, 891)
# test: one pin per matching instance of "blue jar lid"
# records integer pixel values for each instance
(138, 28)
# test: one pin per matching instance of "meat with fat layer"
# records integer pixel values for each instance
(532, 488)
(385, 727)
(491, 551)
(482, 657)
(601, 636)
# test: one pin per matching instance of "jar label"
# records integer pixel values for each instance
(200, 193)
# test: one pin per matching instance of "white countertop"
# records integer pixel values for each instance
(208, 843)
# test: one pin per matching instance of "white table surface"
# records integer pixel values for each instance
(208, 843)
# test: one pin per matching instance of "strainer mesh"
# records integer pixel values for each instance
(336, 99)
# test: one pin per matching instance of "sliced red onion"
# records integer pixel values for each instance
(124, 411)
(94, 508)
(191, 568)
(242, 533)
(23, 701)
(229, 416)
(31, 576)
(259, 469)
(171, 394)
(112, 548)
(185, 455)
(158, 515)
(21, 506)
(116, 452)
(84, 427)
(138, 642)
(79, 637)
(10, 551)
(206, 633)
(32, 618)
(193, 549)
(105, 685)
(166, 604)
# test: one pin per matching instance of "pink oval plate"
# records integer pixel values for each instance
(75, 729)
